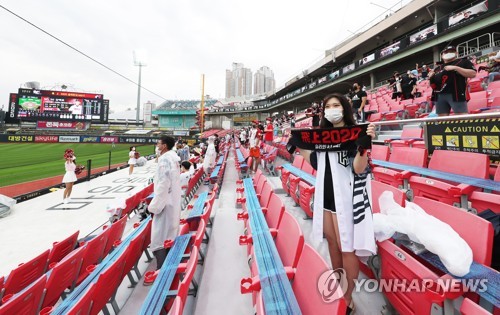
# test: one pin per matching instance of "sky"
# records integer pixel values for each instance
(182, 40)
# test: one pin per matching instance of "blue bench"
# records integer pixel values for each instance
(198, 207)
(308, 178)
(155, 300)
(277, 293)
(477, 271)
(80, 290)
(473, 181)
(215, 172)
(221, 159)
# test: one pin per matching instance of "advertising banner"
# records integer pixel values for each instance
(109, 139)
(47, 139)
(468, 14)
(61, 125)
(90, 139)
(69, 138)
(424, 34)
(20, 138)
(472, 135)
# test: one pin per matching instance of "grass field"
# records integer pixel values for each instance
(22, 162)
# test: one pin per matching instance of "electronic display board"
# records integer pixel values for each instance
(61, 105)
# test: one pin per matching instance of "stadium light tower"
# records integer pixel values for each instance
(139, 61)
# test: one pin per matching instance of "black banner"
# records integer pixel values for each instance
(328, 139)
(470, 135)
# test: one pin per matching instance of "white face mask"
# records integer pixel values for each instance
(334, 115)
(449, 56)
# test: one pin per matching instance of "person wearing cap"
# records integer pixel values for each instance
(449, 80)
(494, 68)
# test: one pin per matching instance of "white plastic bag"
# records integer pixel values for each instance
(437, 236)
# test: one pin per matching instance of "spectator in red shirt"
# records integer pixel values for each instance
(268, 134)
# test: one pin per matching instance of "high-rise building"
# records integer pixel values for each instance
(238, 81)
(264, 81)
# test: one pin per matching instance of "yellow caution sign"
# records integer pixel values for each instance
(490, 142)
(452, 141)
(495, 129)
(470, 142)
(447, 129)
(437, 141)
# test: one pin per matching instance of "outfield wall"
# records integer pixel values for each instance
(77, 139)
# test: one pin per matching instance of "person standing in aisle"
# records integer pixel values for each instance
(166, 203)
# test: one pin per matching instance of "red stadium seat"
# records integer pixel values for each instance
(26, 302)
(466, 225)
(380, 152)
(456, 162)
(133, 253)
(482, 200)
(107, 284)
(407, 136)
(293, 187)
(306, 200)
(62, 248)
(297, 162)
(265, 195)
(378, 188)
(470, 308)
(289, 240)
(177, 307)
(305, 285)
(94, 250)
(276, 208)
(400, 155)
(115, 234)
(62, 276)
(25, 274)
(306, 167)
(474, 105)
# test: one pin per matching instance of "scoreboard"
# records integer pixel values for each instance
(61, 105)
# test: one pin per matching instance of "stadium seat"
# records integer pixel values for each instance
(474, 105)
(265, 195)
(276, 208)
(407, 137)
(378, 188)
(106, 285)
(63, 275)
(380, 152)
(305, 285)
(115, 234)
(293, 188)
(306, 200)
(455, 162)
(25, 274)
(133, 253)
(466, 225)
(177, 307)
(481, 201)
(93, 253)
(470, 308)
(400, 155)
(297, 162)
(26, 302)
(289, 240)
(62, 248)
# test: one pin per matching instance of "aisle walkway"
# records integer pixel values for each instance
(226, 261)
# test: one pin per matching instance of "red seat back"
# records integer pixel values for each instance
(470, 308)
(412, 133)
(134, 251)
(63, 248)
(380, 152)
(20, 277)
(466, 225)
(275, 211)
(93, 253)
(62, 276)
(265, 195)
(462, 163)
(177, 307)
(306, 167)
(200, 233)
(289, 241)
(305, 285)
(84, 304)
(409, 156)
(298, 160)
(188, 275)
(26, 302)
(260, 184)
(378, 188)
(115, 233)
(107, 284)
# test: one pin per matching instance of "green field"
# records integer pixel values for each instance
(22, 162)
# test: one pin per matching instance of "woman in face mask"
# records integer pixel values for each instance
(334, 191)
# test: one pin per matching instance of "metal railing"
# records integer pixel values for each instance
(439, 118)
(475, 44)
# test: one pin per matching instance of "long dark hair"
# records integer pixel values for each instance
(348, 114)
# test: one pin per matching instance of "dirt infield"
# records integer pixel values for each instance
(32, 186)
